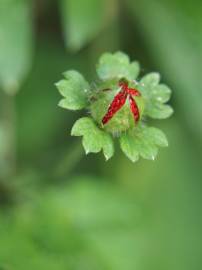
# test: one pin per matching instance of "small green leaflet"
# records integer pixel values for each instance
(94, 139)
(155, 95)
(117, 65)
(74, 88)
(142, 142)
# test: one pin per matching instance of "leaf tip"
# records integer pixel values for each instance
(107, 157)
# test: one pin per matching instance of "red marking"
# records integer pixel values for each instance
(118, 102)
(120, 99)
(134, 108)
(133, 92)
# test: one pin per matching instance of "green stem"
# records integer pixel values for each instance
(69, 161)
(7, 136)
(109, 40)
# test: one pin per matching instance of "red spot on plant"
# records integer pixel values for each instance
(120, 99)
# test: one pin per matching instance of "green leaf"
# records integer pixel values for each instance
(94, 139)
(142, 141)
(161, 93)
(159, 111)
(151, 80)
(15, 43)
(107, 145)
(151, 88)
(83, 20)
(117, 65)
(155, 96)
(156, 136)
(74, 88)
(129, 148)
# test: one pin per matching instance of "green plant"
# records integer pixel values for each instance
(119, 105)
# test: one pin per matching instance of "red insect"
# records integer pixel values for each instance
(120, 99)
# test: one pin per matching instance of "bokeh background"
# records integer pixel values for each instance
(62, 210)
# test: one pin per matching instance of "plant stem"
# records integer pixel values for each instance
(7, 136)
(69, 161)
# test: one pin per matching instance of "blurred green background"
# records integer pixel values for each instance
(62, 210)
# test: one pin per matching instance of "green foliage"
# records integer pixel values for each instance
(94, 139)
(142, 143)
(127, 217)
(82, 20)
(72, 228)
(136, 139)
(117, 65)
(75, 90)
(155, 95)
(15, 43)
